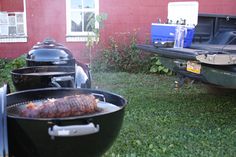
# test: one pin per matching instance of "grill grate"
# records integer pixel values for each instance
(15, 109)
(103, 108)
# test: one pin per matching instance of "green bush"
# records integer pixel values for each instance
(7, 65)
(3, 62)
(128, 58)
(122, 57)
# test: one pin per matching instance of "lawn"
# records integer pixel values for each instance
(160, 121)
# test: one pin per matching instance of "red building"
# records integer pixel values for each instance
(26, 22)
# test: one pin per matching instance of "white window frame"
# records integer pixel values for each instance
(79, 36)
(16, 38)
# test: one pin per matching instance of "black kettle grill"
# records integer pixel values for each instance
(50, 64)
(89, 135)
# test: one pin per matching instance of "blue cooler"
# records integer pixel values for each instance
(166, 33)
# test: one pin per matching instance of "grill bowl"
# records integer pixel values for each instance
(30, 136)
(41, 77)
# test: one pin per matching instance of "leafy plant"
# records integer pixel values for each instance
(157, 67)
(17, 63)
(122, 57)
(7, 65)
(3, 62)
(93, 38)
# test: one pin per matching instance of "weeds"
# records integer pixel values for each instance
(123, 55)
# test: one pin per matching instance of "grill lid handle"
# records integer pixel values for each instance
(73, 130)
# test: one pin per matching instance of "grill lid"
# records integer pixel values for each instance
(49, 50)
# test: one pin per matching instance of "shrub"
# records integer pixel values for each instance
(122, 57)
(127, 57)
(7, 65)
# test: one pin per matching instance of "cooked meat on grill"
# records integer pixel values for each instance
(75, 105)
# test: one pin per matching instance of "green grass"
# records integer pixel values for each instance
(160, 121)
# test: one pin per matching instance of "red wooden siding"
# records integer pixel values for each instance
(47, 18)
(12, 5)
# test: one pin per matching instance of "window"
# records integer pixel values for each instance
(12, 21)
(11, 24)
(81, 16)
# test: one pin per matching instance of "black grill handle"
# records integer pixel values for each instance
(55, 80)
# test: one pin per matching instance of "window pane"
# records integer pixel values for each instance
(4, 30)
(76, 4)
(3, 18)
(89, 21)
(12, 30)
(89, 4)
(20, 29)
(19, 18)
(12, 20)
(76, 21)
